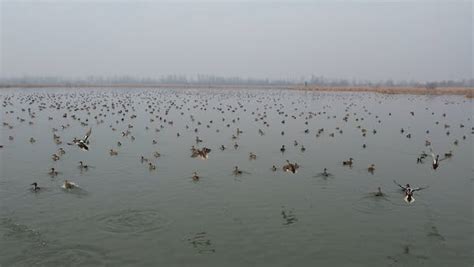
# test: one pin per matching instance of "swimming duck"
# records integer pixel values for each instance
(449, 154)
(435, 161)
(68, 185)
(371, 168)
(379, 192)
(195, 176)
(53, 172)
(282, 149)
(237, 171)
(151, 166)
(252, 156)
(82, 166)
(348, 162)
(55, 157)
(290, 167)
(35, 187)
(113, 152)
(274, 168)
(325, 173)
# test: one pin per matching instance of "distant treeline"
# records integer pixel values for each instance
(201, 79)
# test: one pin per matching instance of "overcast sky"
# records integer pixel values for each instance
(400, 40)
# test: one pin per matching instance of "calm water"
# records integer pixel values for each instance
(125, 214)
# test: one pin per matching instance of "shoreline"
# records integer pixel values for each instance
(466, 91)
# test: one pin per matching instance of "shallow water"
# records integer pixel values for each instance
(122, 213)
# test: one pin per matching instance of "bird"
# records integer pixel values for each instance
(35, 187)
(195, 176)
(448, 154)
(409, 191)
(151, 166)
(82, 165)
(53, 172)
(290, 167)
(68, 185)
(435, 161)
(252, 156)
(82, 143)
(371, 168)
(237, 171)
(325, 173)
(379, 192)
(348, 162)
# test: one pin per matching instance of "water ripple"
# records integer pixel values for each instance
(133, 221)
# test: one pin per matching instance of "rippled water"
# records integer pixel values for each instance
(123, 213)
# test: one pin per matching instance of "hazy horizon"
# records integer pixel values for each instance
(416, 40)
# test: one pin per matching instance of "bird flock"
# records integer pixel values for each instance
(190, 113)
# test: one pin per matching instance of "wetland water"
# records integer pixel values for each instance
(123, 213)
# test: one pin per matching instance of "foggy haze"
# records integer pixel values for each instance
(352, 40)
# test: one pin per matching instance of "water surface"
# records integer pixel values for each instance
(125, 214)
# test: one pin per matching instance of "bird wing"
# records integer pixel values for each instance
(399, 185)
(419, 188)
(87, 135)
(444, 158)
(83, 146)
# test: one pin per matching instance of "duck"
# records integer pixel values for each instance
(237, 171)
(35, 187)
(82, 165)
(348, 162)
(68, 185)
(371, 168)
(435, 161)
(325, 173)
(282, 149)
(449, 154)
(53, 172)
(379, 192)
(195, 176)
(252, 156)
(151, 166)
(290, 167)
(274, 168)
(113, 152)
(82, 143)
(55, 157)
(409, 191)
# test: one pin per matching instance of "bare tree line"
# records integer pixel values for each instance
(204, 79)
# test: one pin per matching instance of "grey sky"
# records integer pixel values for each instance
(363, 40)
